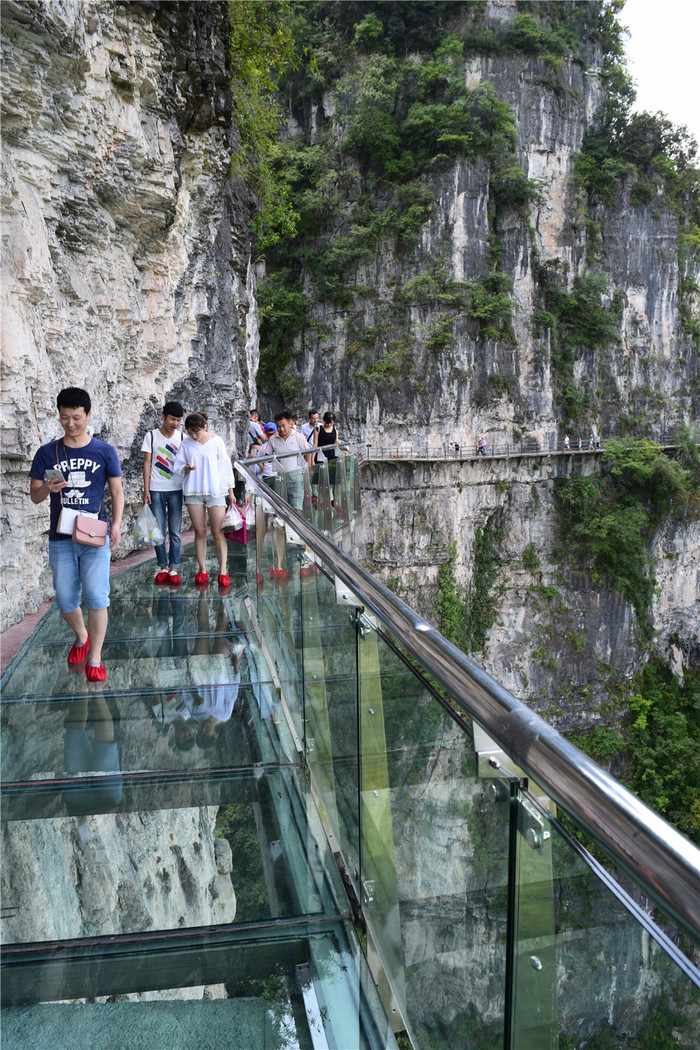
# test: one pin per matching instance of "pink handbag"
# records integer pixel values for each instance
(90, 531)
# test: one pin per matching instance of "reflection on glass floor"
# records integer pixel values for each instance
(160, 842)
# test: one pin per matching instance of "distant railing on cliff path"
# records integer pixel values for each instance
(529, 446)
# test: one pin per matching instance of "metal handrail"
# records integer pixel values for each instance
(298, 452)
(661, 861)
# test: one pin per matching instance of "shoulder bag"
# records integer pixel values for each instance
(83, 528)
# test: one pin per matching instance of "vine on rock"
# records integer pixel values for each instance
(468, 613)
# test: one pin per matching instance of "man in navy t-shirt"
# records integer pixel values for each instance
(73, 471)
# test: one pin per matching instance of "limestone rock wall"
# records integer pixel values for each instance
(652, 370)
(557, 640)
(67, 877)
(126, 245)
(553, 633)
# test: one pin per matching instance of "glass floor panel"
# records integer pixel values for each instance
(164, 864)
(285, 986)
(260, 854)
(172, 614)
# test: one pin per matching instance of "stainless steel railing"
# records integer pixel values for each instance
(662, 862)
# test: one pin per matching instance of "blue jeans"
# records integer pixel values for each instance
(170, 503)
(78, 568)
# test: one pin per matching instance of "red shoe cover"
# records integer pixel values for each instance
(95, 674)
(78, 653)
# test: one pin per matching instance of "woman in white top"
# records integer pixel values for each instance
(205, 464)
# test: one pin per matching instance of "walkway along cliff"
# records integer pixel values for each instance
(488, 245)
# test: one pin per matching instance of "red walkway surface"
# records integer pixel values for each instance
(12, 640)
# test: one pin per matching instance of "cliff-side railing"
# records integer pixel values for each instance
(497, 449)
(661, 862)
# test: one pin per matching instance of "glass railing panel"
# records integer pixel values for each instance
(353, 469)
(276, 597)
(587, 970)
(323, 519)
(330, 711)
(434, 873)
(534, 1000)
(282, 987)
(341, 491)
(293, 487)
(270, 541)
(279, 610)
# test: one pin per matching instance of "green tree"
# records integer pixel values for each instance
(261, 48)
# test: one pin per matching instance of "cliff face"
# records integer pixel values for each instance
(126, 246)
(469, 384)
(405, 351)
(108, 874)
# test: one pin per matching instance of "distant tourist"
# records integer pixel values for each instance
(566, 443)
(590, 443)
(289, 440)
(205, 465)
(162, 488)
(323, 437)
(481, 447)
(255, 430)
(255, 450)
(308, 428)
(73, 472)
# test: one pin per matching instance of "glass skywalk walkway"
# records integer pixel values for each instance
(271, 830)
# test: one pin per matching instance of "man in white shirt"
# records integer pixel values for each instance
(289, 440)
(308, 431)
(308, 428)
(162, 490)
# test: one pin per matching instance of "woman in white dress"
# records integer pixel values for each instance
(205, 465)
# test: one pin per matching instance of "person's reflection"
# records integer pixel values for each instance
(193, 714)
(168, 625)
(207, 640)
(90, 747)
(213, 704)
(269, 529)
(171, 714)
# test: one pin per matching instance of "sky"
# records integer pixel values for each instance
(664, 57)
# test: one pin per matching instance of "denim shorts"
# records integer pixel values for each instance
(78, 569)
(207, 501)
(92, 794)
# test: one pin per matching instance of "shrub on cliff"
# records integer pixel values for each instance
(607, 522)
